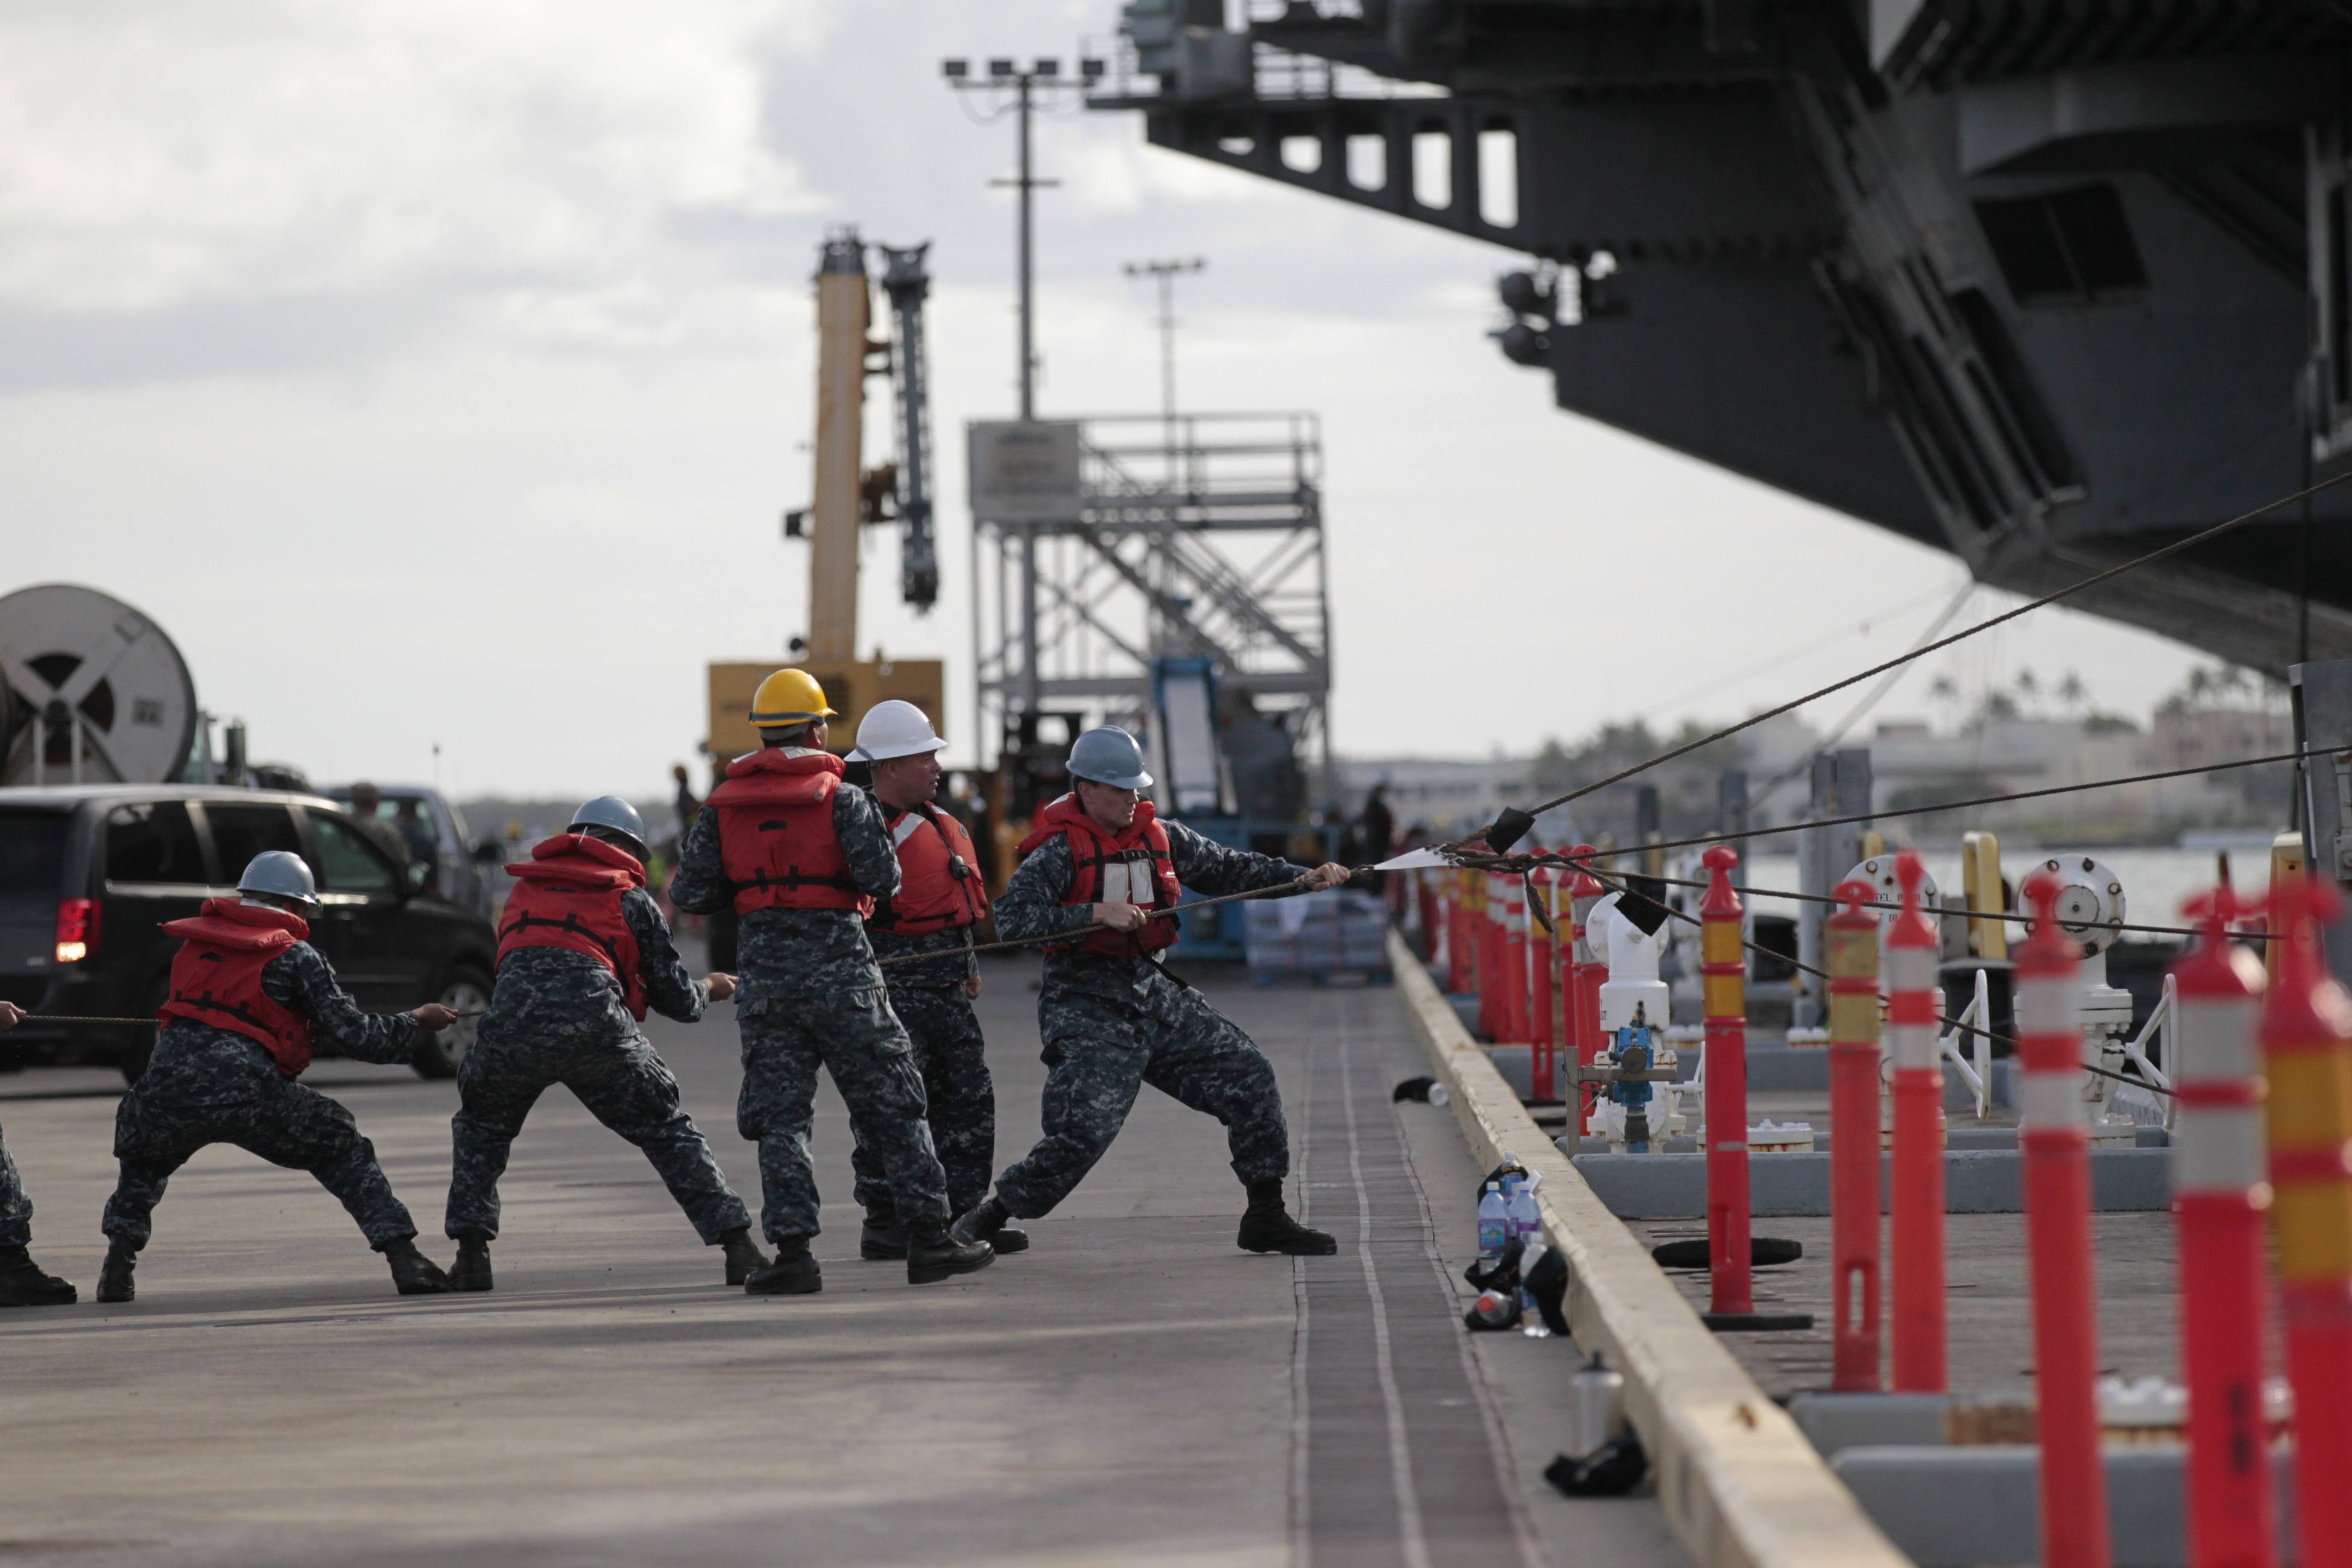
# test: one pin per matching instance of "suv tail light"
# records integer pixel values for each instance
(78, 921)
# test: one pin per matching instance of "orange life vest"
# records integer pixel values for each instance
(216, 977)
(776, 840)
(1144, 874)
(938, 876)
(568, 895)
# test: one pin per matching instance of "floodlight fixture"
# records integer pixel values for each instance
(1001, 68)
(955, 70)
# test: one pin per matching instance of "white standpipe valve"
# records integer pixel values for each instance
(1633, 953)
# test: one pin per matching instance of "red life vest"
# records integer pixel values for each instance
(568, 895)
(1144, 874)
(938, 876)
(216, 977)
(775, 833)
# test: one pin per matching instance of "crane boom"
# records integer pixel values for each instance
(841, 319)
(907, 282)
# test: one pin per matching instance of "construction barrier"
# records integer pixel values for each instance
(2219, 1203)
(1914, 1005)
(1517, 1010)
(1461, 935)
(1587, 972)
(1543, 980)
(1740, 1486)
(1723, 969)
(2055, 1147)
(2306, 1042)
(1490, 953)
(1851, 955)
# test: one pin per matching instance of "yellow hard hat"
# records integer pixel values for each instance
(790, 696)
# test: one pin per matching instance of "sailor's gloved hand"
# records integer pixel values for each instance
(432, 1018)
(1330, 874)
(1119, 917)
(722, 986)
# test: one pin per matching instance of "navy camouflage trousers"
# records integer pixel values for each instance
(15, 1208)
(624, 1084)
(854, 1035)
(950, 1053)
(1101, 1049)
(226, 1089)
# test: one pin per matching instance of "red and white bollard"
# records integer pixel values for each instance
(1587, 972)
(1461, 933)
(1723, 971)
(1516, 1008)
(1424, 890)
(2220, 1202)
(2054, 1143)
(2306, 1035)
(1914, 1005)
(1543, 978)
(1851, 956)
(1490, 955)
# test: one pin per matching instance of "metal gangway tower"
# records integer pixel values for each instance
(1101, 544)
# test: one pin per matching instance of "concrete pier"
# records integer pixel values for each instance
(1133, 1388)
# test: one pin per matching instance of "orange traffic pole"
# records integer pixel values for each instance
(2306, 1035)
(2218, 1204)
(1543, 976)
(1461, 935)
(1852, 955)
(1723, 971)
(1914, 1003)
(2055, 1147)
(1490, 990)
(1515, 959)
(1587, 972)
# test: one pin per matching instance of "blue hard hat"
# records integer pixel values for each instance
(613, 815)
(1109, 755)
(280, 874)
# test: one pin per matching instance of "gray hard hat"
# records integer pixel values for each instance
(280, 874)
(613, 815)
(1109, 755)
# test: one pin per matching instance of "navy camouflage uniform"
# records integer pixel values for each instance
(928, 997)
(810, 997)
(558, 1016)
(1112, 1025)
(215, 1085)
(15, 1208)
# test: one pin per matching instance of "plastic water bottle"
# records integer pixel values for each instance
(1494, 1224)
(1526, 1218)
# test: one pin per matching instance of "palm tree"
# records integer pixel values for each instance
(1944, 693)
(2074, 693)
(2030, 690)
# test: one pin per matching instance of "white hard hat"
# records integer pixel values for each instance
(894, 729)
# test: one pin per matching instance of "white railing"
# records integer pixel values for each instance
(1975, 1027)
(2150, 1106)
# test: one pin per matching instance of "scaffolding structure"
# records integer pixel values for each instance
(1102, 544)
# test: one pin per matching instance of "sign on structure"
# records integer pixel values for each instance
(1026, 471)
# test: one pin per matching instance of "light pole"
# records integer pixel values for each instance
(1164, 273)
(1043, 76)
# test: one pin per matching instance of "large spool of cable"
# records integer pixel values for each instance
(92, 691)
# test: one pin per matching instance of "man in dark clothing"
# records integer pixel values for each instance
(583, 952)
(1377, 826)
(1112, 1018)
(22, 1282)
(940, 899)
(248, 997)
(803, 861)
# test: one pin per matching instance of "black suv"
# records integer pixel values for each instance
(88, 873)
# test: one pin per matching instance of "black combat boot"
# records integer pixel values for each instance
(472, 1269)
(22, 1283)
(114, 1275)
(993, 1229)
(932, 1255)
(744, 1258)
(881, 1239)
(1267, 1225)
(793, 1273)
(413, 1273)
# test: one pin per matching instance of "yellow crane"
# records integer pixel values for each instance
(847, 495)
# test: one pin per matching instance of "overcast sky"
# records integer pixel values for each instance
(436, 371)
